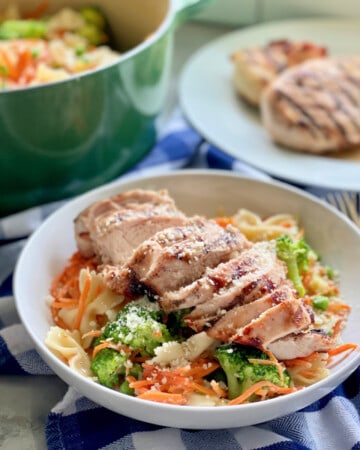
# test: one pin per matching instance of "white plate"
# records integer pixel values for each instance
(204, 192)
(209, 101)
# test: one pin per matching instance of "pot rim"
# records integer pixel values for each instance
(165, 25)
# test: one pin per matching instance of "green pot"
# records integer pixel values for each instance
(61, 139)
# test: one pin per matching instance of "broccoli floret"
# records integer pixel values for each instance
(296, 257)
(93, 16)
(17, 29)
(242, 374)
(109, 365)
(176, 325)
(95, 26)
(139, 327)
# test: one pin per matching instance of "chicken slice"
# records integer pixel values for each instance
(114, 227)
(241, 315)
(287, 317)
(175, 257)
(299, 345)
(236, 279)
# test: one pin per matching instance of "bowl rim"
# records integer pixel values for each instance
(300, 398)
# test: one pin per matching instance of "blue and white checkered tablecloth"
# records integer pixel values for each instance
(331, 423)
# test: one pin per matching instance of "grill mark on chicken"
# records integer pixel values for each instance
(301, 344)
(232, 279)
(240, 315)
(271, 55)
(206, 315)
(319, 96)
(112, 228)
(162, 264)
(210, 306)
(287, 317)
(333, 92)
(310, 119)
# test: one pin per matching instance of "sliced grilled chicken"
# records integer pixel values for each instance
(315, 107)
(175, 257)
(255, 269)
(299, 345)
(241, 315)
(114, 227)
(287, 317)
(255, 68)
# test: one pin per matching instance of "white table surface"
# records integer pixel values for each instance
(25, 401)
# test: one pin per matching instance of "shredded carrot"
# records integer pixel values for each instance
(203, 389)
(224, 221)
(109, 344)
(303, 361)
(337, 327)
(182, 381)
(62, 304)
(298, 362)
(92, 333)
(82, 302)
(163, 397)
(274, 361)
(258, 387)
(338, 307)
(343, 348)
(66, 284)
(286, 224)
(37, 12)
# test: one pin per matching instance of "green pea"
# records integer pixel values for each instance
(320, 302)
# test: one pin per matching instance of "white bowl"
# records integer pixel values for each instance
(203, 192)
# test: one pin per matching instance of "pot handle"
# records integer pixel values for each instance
(187, 8)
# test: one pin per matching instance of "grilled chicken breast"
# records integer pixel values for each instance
(114, 227)
(255, 68)
(315, 107)
(175, 257)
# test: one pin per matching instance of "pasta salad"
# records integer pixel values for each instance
(259, 321)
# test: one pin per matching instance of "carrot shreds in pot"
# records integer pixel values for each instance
(36, 12)
(224, 221)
